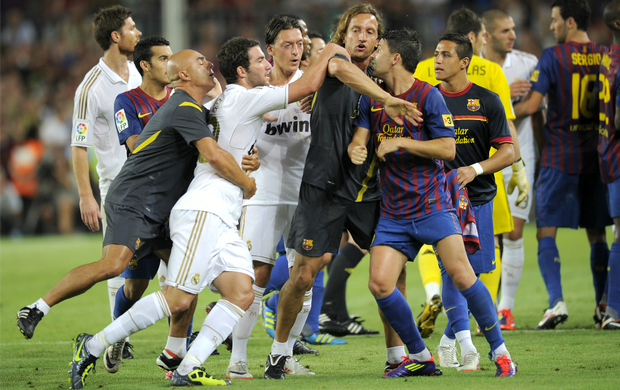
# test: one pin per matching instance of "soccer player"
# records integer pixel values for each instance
(93, 126)
(333, 193)
(518, 67)
(569, 191)
(317, 44)
(416, 204)
(481, 124)
(609, 157)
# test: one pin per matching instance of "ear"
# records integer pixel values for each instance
(471, 36)
(270, 50)
(464, 63)
(616, 24)
(241, 72)
(570, 23)
(116, 36)
(184, 75)
(396, 59)
(145, 66)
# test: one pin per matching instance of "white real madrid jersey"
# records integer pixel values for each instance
(282, 148)
(93, 118)
(235, 120)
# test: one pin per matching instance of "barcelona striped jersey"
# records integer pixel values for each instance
(609, 97)
(464, 212)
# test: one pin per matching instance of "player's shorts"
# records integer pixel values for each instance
(131, 228)
(204, 247)
(529, 158)
(408, 235)
(321, 217)
(145, 268)
(613, 198)
(104, 222)
(573, 201)
(502, 219)
(262, 226)
(484, 260)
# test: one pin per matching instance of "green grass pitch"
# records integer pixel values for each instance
(575, 356)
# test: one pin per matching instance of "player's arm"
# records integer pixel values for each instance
(128, 125)
(443, 148)
(357, 148)
(529, 105)
(538, 124)
(515, 139)
(89, 209)
(500, 160)
(131, 142)
(226, 165)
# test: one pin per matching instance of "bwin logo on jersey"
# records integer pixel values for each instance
(287, 127)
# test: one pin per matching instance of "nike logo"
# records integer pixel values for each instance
(77, 357)
(143, 115)
(488, 329)
(453, 307)
(375, 109)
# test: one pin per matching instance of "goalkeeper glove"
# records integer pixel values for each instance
(519, 180)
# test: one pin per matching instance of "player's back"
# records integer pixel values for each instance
(609, 138)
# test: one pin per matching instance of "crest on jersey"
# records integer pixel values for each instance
(463, 202)
(81, 128)
(473, 104)
(307, 244)
(249, 243)
(121, 120)
(195, 279)
(137, 243)
(133, 263)
(534, 77)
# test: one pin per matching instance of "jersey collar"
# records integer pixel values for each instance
(114, 78)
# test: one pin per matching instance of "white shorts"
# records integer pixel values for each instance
(204, 247)
(529, 158)
(261, 227)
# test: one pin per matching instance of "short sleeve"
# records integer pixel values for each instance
(363, 114)
(438, 120)
(189, 120)
(542, 76)
(499, 131)
(85, 111)
(261, 100)
(126, 119)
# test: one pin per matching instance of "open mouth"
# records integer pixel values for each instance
(361, 47)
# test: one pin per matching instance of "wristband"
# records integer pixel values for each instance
(478, 168)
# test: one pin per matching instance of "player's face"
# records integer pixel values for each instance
(316, 48)
(360, 38)
(287, 49)
(130, 36)
(258, 72)
(201, 72)
(503, 38)
(447, 63)
(159, 62)
(558, 25)
(479, 41)
(382, 59)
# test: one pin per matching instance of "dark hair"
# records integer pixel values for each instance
(314, 34)
(233, 54)
(277, 24)
(463, 44)
(491, 17)
(144, 51)
(405, 42)
(108, 20)
(611, 14)
(345, 20)
(464, 21)
(576, 9)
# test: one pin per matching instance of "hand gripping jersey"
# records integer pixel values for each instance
(567, 73)
(411, 186)
(282, 148)
(236, 120)
(462, 206)
(609, 96)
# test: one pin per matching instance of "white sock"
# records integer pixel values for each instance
(177, 345)
(242, 332)
(421, 356)
(432, 289)
(395, 354)
(300, 321)
(97, 344)
(41, 305)
(278, 348)
(113, 285)
(512, 268)
(162, 274)
(500, 351)
(216, 328)
(445, 341)
(464, 338)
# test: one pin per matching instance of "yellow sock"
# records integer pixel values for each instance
(429, 271)
(491, 279)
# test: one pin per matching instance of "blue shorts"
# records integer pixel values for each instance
(408, 235)
(573, 201)
(613, 198)
(145, 268)
(484, 260)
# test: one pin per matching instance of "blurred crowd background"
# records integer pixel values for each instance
(47, 47)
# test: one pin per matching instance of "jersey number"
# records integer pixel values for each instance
(604, 94)
(581, 94)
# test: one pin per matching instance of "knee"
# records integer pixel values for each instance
(246, 299)
(179, 304)
(112, 267)
(134, 288)
(303, 280)
(379, 289)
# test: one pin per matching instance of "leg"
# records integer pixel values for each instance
(612, 317)
(395, 349)
(512, 268)
(599, 257)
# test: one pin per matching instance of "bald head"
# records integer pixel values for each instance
(611, 16)
(180, 62)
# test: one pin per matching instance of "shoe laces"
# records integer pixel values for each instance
(117, 350)
(505, 363)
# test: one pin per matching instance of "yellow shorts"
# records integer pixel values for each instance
(502, 219)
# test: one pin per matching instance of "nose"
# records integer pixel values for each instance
(139, 33)
(268, 66)
(209, 65)
(513, 35)
(295, 49)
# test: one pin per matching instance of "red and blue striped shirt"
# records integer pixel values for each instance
(609, 97)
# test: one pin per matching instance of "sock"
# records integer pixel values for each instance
(613, 297)
(317, 301)
(445, 340)
(334, 301)
(599, 256)
(512, 268)
(300, 321)
(549, 264)
(190, 332)
(464, 338)
(455, 307)
(242, 332)
(499, 351)
(97, 344)
(397, 311)
(422, 356)
(176, 345)
(279, 275)
(448, 331)
(395, 354)
(41, 305)
(491, 279)
(429, 271)
(217, 326)
(162, 274)
(113, 285)
(481, 306)
(122, 303)
(278, 348)
(272, 302)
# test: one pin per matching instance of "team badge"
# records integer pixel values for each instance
(463, 202)
(249, 245)
(447, 120)
(121, 120)
(473, 104)
(80, 131)
(534, 77)
(137, 243)
(196, 279)
(307, 244)
(133, 263)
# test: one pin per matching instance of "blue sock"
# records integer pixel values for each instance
(122, 303)
(279, 275)
(599, 256)
(397, 311)
(613, 298)
(455, 306)
(190, 330)
(549, 264)
(317, 301)
(481, 306)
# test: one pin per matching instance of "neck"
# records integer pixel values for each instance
(197, 93)
(495, 56)
(153, 88)
(578, 36)
(398, 81)
(279, 76)
(456, 83)
(362, 64)
(117, 62)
